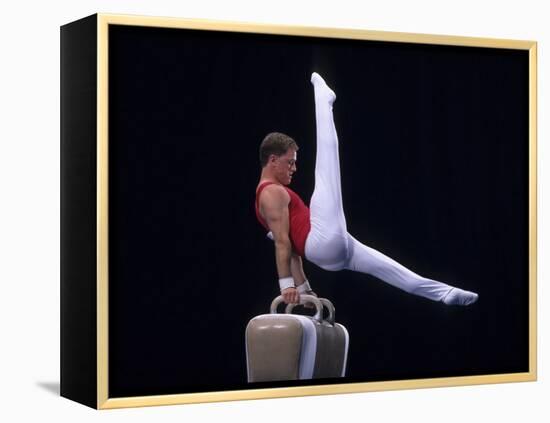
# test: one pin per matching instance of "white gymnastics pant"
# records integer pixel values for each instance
(329, 245)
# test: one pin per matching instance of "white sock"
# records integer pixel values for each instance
(322, 90)
(457, 296)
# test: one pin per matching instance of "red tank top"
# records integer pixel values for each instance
(298, 216)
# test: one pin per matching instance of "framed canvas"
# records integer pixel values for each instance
(165, 263)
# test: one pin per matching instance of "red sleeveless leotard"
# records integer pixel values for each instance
(298, 216)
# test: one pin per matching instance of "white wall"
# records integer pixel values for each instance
(29, 208)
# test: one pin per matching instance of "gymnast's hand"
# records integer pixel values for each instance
(308, 304)
(291, 295)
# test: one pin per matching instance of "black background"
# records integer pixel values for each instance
(434, 159)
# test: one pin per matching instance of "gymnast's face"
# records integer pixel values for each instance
(284, 166)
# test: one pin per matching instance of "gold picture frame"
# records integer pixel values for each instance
(100, 220)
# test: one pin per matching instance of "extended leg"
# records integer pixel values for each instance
(368, 260)
(326, 245)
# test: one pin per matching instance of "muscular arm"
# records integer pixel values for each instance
(299, 276)
(274, 202)
(297, 269)
(296, 266)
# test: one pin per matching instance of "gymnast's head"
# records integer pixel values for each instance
(278, 157)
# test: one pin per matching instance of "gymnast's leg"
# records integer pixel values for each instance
(328, 244)
(368, 260)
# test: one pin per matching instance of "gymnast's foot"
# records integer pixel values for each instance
(457, 296)
(322, 90)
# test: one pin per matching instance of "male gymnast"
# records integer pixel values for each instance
(319, 233)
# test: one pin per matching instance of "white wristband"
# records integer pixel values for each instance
(304, 288)
(286, 283)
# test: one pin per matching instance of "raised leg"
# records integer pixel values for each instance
(329, 245)
(328, 223)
